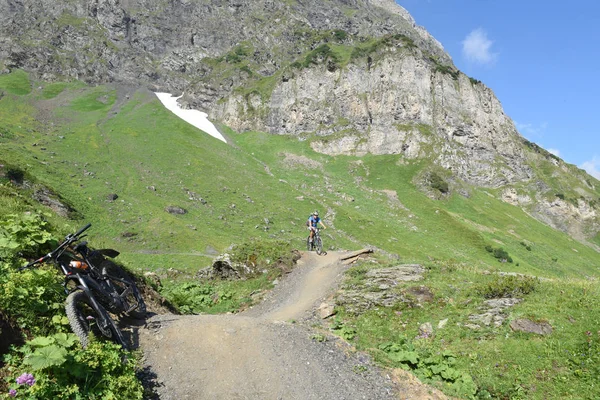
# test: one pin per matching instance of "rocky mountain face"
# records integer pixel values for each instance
(352, 76)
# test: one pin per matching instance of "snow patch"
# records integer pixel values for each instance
(196, 118)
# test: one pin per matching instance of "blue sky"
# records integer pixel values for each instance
(541, 59)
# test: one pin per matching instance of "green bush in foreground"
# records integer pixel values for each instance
(51, 364)
(431, 366)
(56, 367)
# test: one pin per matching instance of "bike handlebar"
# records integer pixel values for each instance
(79, 232)
(68, 240)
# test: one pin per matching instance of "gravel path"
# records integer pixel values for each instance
(266, 352)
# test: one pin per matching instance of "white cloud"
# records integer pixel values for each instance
(592, 167)
(477, 48)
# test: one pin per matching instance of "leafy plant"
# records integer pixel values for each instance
(319, 337)
(346, 332)
(508, 286)
(31, 298)
(62, 369)
(23, 235)
(430, 366)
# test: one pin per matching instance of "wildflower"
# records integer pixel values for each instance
(26, 379)
(12, 393)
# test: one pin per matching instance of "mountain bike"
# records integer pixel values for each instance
(316, 244)
(95, 287)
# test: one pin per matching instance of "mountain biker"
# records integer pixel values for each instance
(312, 223)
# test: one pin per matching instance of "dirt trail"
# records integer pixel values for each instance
(261, 353)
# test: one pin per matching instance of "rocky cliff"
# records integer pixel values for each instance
(351, 76)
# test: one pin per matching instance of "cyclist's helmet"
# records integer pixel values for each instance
(316, 213)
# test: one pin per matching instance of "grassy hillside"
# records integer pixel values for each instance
(89, 143)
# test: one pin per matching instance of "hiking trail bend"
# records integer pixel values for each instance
(266, 352)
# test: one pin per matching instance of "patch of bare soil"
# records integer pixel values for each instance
(266, 352)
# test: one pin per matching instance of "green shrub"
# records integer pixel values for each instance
(263, 252)
(191, 297)
(320, 55)
(430, 366)
(25, 235)
(340, 35)
(507, 286)
(29, 298)
(527, 246)
(63, 370)
(236, 55)
(344, 331)
(33, 300)
(499, 253)
(436, 182)
(445, 69)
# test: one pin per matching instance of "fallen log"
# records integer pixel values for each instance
(355, 254)
(349, 261)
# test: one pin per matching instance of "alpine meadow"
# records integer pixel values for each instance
(345, 107)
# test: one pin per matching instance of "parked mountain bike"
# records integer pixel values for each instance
(95, 287)
(316, 244)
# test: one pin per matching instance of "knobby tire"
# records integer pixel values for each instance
(116, 275)
(85, 319)
(318, 245)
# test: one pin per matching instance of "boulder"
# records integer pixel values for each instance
(176, 210)
(526, 325)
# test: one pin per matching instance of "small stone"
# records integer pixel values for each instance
(326, 310)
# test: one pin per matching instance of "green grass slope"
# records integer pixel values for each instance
(88, 143)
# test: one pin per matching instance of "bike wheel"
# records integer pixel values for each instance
(319, 245)
(309, 245)
(86, 319)
(126, 289)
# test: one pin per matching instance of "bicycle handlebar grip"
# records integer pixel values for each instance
(39, 260)
(79, 232)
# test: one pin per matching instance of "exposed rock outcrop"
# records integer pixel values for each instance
(278, 67)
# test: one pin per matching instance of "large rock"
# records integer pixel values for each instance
(383, 287)
(224, 268)
(525, 325)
